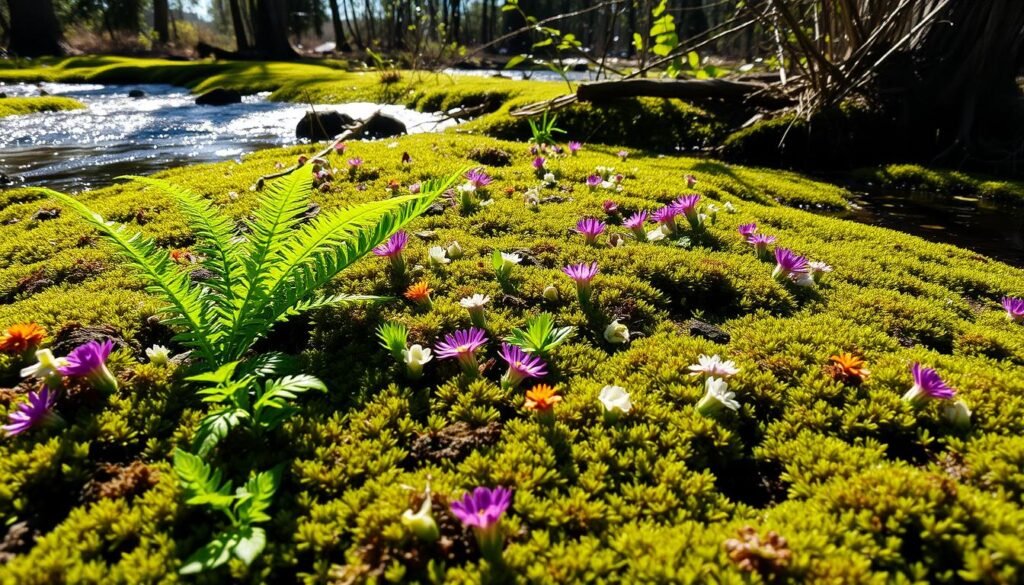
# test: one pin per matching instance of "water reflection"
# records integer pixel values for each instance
(976, 224)
(116, 134)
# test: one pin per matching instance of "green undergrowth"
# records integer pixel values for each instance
(642, 122)
(16, 106)
(916, 177)
(862, 487)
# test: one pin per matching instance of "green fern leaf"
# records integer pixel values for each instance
(202, 484)
(188, 309)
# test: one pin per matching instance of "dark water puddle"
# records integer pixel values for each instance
(984, 226)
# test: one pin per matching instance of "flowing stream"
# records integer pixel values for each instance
(116, 134)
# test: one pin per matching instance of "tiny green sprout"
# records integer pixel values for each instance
(539, 335)
(394, 338)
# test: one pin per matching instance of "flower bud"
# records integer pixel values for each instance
(616, 333)
(455, 251)
(422, 522)
(550, 293)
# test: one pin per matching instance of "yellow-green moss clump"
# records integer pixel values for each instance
(857, 485)
(907, 176)
(16, 106)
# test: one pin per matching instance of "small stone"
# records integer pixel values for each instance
(219, 97)
(699, 328)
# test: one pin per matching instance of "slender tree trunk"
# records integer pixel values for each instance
(238, 23)
(339, 28)
(353, 26)
(35, 30)
(371, 27)
(272, 30)
(160, 20)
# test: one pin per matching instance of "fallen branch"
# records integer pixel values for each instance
(351, 132)
(685, 89)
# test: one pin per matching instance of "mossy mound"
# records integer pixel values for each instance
(916, 177)
(16, 106)
(856, 484)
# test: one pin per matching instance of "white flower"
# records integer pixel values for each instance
(45, 368)
(415, 357)
(509, 259)
(717, 396)
(817, 268)
(549, 178)
(422, 523)
(714, 366)
(957, 413)
(729, 207)
(158, 355)
(616, 333)
(531, 200)
(437, 256)
(656, 235)
(455, 251)
(467, 187)
(802, 278)
(615, 399)
(476, 301)
(607, 185)
(486, 202)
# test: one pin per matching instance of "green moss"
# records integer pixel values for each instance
(862, 487)
(16, 106)
(908, 176)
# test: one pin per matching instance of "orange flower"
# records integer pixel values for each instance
(848, 368)
(541, 398)
(21, 337)
(182, 256)
(418, 292)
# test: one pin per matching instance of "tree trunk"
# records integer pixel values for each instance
(272, 31)
(160, 20)
(238, 23)
(340, 44)
(34, 29)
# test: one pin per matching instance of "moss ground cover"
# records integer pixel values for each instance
(822, 474)
(908, 176)
(16, 106)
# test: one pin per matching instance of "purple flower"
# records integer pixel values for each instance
(690, 181)
(666, 216)
(521, 365)
(540, 163)
(90, 361)
(37, 410)
(354, 163)
(760, 242)
(687, 204)
(622, 154)
(414, 188)
(789, 264)
(610, 207)
(928, 385)
(574, 146)
(582, 274)
(590, 228)
(636, 221)
(392, 250)
(1014, 308)
(479, 178)
(481, 510)
(594, 181)
(462, 345)
(747, 229)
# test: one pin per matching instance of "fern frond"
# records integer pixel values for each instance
(188, 310)
(280, 209)
(322, 249)
(202, 484)
(214, 233)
